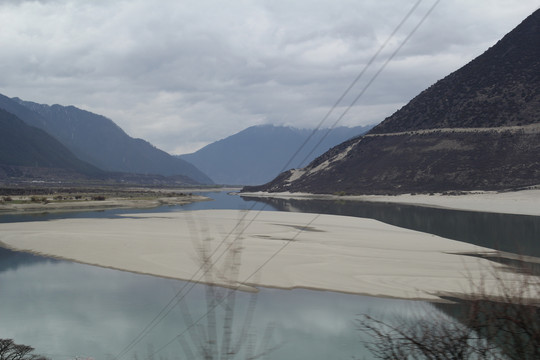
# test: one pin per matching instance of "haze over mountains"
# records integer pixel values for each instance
(478, 128)
(98, 141)
(259, 153)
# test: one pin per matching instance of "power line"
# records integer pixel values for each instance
(240, 283)
(342, 115)
(353, 83)
(376, 75)
(190, 284)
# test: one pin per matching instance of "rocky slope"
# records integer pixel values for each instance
(478, 128)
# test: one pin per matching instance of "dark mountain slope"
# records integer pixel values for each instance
(27, 149)
(478, 128)
(420, 163)
(100, 142)
(23, 113)
(501, 87)
(257, 154)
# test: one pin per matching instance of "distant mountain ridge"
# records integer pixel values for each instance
(476, 129)
(257, 154)
(99, 141)
(28, 151)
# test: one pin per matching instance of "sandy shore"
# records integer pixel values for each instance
(275, 249)
(525, 202)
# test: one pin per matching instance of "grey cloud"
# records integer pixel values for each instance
(182, 73)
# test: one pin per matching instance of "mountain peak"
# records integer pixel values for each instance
(97, 140)
(476, 129)
(498, 88)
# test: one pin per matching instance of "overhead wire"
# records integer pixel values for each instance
(191, 283)
(346, 92)
(170, 305)
(253, 273)
(390, 58)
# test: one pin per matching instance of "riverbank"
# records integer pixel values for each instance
(36, 200)
(524, 202)
(278, 249)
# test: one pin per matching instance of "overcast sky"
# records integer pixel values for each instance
(182, 74)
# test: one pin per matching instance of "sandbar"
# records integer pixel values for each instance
(266, 248)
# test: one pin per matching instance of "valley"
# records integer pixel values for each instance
(434, 209)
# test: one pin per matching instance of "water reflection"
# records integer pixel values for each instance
(224, 200)
(65, 309)
(219, 200)
(11, 260)
(512, 233)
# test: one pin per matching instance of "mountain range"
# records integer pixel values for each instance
(98, 141)
(259, 153)
(476, 129)
(94, 147)
(29, 152)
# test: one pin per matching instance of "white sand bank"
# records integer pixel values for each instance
(525, 202)
(335, 253)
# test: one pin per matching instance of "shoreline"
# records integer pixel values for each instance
(335, 253)
(252, 287)
(523, 202)
(98, 200)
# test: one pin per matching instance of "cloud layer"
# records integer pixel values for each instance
(184, 74)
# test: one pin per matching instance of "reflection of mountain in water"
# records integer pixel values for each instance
(512, 233)
(12, 260)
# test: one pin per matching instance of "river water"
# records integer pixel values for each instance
(67, 310)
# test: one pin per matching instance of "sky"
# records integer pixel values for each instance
(183, 74)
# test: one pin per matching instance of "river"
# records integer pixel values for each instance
(67, 310)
